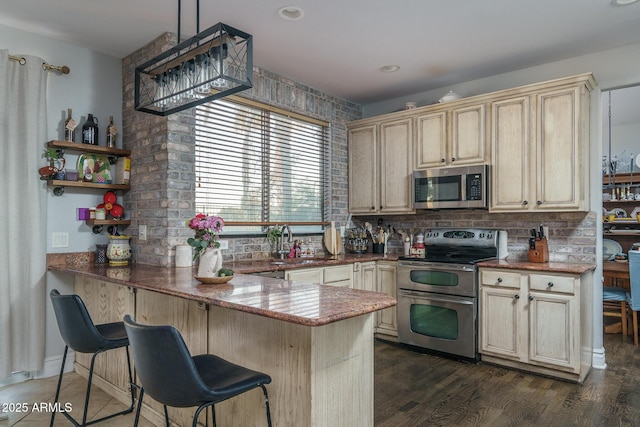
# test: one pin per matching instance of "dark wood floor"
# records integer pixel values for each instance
(414, 389)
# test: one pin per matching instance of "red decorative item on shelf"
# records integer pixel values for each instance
(110, 206)
(116, 211)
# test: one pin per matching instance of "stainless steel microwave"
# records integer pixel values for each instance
(451, 188)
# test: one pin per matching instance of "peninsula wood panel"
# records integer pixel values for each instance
(106, 303)
(190, 318)
(321, 376)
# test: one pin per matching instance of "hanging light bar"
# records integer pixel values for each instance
(214, 63)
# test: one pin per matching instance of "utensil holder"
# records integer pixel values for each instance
(541, 251)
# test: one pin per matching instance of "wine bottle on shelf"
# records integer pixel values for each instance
(90, 130)
(70, 128)
(112, 131)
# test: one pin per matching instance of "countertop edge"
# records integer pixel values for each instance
(549, 267)
(382, 300)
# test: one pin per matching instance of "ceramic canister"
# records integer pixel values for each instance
(119, 250)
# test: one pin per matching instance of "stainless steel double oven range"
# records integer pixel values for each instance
(438, 295)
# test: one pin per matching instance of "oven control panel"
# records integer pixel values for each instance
(467, 237)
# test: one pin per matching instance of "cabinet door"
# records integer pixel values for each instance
(468, 135)
(364, 276)
(308, 275)
(363, 169)
(386, 282)
(510, 145)
(396, 166)
(502, 326)
(431, 141)
(561, 160)
(552, 330)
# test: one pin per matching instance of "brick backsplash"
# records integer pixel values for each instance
(572, 235)
(162, 160)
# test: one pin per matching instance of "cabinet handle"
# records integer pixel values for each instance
(539, 202)
(550, 284)
(453, 159)
(499, 279)
(373, 208)
(442, 160)
(516, 296)
(530, 298)
(525, 203)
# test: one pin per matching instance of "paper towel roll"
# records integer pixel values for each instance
(183, 256)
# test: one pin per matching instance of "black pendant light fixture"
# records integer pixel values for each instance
(214, 63)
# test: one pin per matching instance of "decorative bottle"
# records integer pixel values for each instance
(70, 128)
(112, 131)
(90, 131)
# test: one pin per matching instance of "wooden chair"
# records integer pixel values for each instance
(614, 304)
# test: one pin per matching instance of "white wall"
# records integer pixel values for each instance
(94, 85)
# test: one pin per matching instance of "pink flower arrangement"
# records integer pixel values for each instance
(206, 230)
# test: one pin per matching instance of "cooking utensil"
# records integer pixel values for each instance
(332, 240)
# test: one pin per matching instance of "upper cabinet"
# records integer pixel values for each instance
(380, 166)
(540, 148)
(454, 136)
(535, 139)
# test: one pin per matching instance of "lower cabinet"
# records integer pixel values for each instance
(386, 320)
(537, 321)
(339, 275)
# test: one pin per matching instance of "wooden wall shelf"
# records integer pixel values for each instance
(622, 178)
(87, 148)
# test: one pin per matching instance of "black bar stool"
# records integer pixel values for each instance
(169, 374)
(81, 335)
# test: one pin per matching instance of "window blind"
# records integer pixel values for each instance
(258, 165)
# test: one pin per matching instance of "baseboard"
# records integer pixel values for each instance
(52, 365)
(598, 361)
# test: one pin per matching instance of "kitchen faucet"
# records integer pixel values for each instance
(281, 251)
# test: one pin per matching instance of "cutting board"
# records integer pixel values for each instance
(332, 240)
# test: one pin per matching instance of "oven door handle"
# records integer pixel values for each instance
(430, 297)
(436, 266)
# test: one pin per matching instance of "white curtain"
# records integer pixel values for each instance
(23, 234)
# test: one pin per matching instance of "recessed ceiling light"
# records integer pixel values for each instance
(389, 68)
(622, 2)
(290, 13)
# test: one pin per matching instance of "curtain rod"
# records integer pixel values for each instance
(61, 68)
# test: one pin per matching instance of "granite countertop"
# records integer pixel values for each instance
(291, 301)
(548, 267)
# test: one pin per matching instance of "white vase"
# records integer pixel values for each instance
(210, 263)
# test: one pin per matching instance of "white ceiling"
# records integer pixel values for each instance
(339, 45)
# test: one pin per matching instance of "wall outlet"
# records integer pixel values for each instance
(224, 244)
(60, 240)
(142, 232)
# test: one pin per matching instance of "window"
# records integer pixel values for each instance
(255, 164)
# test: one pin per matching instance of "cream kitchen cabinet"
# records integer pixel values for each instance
(386, 320)
(540, 147)
(381, 166)
(536, 321)
(339, 275)
(364, 275)
(451, 136)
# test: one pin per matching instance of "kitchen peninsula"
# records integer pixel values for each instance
(315, 341)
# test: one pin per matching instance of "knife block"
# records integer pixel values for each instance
(541, 251)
